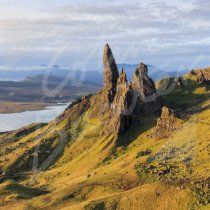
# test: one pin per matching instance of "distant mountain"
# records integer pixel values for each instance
(89, 76)
(95, 76)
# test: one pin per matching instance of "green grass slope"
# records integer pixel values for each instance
(68, 164)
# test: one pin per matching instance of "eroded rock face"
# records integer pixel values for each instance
(202, 75)
(166, 124)
(119, 116)
(119, 104)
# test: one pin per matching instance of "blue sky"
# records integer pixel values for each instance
(168, 34)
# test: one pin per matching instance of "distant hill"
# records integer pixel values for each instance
(91, 76)
(32, 89)
(95, 76)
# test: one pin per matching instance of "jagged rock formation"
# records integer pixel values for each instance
(202, 75)
(126, 101)
(120, 103)
(119, 117)
(166, 124)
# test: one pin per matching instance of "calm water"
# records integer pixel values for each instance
(14, 121)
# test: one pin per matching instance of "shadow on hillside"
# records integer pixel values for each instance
(13, 176)
(198, 110)
(135, 130)
(182, 98)
(24, 192)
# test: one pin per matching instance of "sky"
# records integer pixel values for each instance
(172, 35)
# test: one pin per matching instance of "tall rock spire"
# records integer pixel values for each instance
(111, 73)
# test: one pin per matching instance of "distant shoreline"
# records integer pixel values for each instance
(7, 107)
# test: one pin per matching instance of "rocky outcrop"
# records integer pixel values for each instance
(143, 83)
(202, 75)
(120, 102)
(132, 100)
(119, 116)
(147, 100)
(75, 109)
(166, 124)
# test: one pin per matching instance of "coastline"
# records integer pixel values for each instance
(8, 107)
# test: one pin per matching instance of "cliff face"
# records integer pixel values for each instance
(124, 102)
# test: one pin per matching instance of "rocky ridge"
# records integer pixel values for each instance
(202, 75)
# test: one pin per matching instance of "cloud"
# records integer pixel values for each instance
(152, 28)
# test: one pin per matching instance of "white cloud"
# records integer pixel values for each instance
(152, 28)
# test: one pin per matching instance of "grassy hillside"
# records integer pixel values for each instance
(69, 164)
